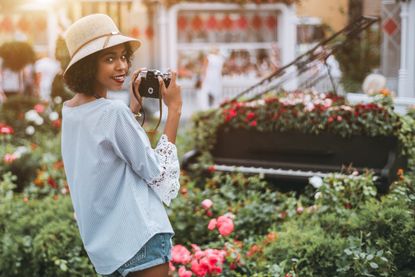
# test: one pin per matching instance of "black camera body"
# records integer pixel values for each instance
(149, 85)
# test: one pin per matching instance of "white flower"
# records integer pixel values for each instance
(31, 115)
(53, 116)
(261, 102)
(316, 181)
(229, 215)
(328, 102)
(309, 107)
(57, 99)
(318, 195)
(20, 151)
(30, 130)
(39, 121)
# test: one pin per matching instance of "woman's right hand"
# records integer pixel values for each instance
(172, 96)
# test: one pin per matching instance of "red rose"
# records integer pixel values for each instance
(250, 115)
(52, 183)
(6, 129)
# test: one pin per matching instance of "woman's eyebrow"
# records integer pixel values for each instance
(113, 53)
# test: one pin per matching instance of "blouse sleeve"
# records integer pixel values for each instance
(158, 167)
(166, 184)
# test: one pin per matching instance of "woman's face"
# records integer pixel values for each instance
(112, 68)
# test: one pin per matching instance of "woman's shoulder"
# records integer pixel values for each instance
(117, 106)
(116, 109)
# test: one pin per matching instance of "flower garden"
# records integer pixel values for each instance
(226, 224)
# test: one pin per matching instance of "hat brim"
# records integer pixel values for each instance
(97, 45)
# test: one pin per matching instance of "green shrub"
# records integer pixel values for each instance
(40, 238)
(239, 195)
(340, 192)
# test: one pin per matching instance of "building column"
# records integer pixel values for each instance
(162, 37)
(287, 39)
(411, 49)
(403, 82)
(52, 27)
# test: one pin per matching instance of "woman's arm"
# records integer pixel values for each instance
(173, 100)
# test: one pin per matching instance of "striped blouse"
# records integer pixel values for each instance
(117, 181)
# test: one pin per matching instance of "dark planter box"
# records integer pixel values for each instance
(306, 152)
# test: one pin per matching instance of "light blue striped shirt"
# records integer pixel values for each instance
(117, 181)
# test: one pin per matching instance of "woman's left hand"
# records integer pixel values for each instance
(135, 98)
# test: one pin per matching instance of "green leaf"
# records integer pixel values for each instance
(374, 265)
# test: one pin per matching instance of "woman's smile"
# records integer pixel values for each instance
(119, 78)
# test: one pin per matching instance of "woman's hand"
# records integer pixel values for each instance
(135, 98)
(172, 96)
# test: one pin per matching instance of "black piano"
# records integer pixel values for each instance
(294, 156)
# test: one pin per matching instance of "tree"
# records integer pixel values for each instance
(360, 53)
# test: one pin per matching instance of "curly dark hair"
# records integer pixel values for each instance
(81, 76)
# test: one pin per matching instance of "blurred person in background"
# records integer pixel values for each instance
(211, 90)
(46, 69)
(14, 83)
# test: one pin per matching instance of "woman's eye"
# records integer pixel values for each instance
(109, 59)
(123, 57)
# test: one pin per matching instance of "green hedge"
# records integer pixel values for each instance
(40, 238)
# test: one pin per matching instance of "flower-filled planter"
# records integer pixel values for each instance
(307, 132)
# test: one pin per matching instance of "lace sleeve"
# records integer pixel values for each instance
(166, 185)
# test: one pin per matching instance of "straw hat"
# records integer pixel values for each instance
(94, 33)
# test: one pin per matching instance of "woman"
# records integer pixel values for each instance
(117, 181)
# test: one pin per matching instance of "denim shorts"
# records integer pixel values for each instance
(155, 252)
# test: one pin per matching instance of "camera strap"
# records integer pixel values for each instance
(161, 114)
(144, 114)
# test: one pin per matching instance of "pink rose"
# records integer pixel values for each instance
(232, 113)
(39, 108)
(172, 268)
(199, 254)
(212, 224)
(225, 225)
(300, 210)
(199, 269)
(9, 158)
(184, 273)
(195, 247)
(207, 203)
(180, 254)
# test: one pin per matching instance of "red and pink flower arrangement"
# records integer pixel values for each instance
(310, 112)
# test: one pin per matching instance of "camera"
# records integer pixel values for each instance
(149, 85)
